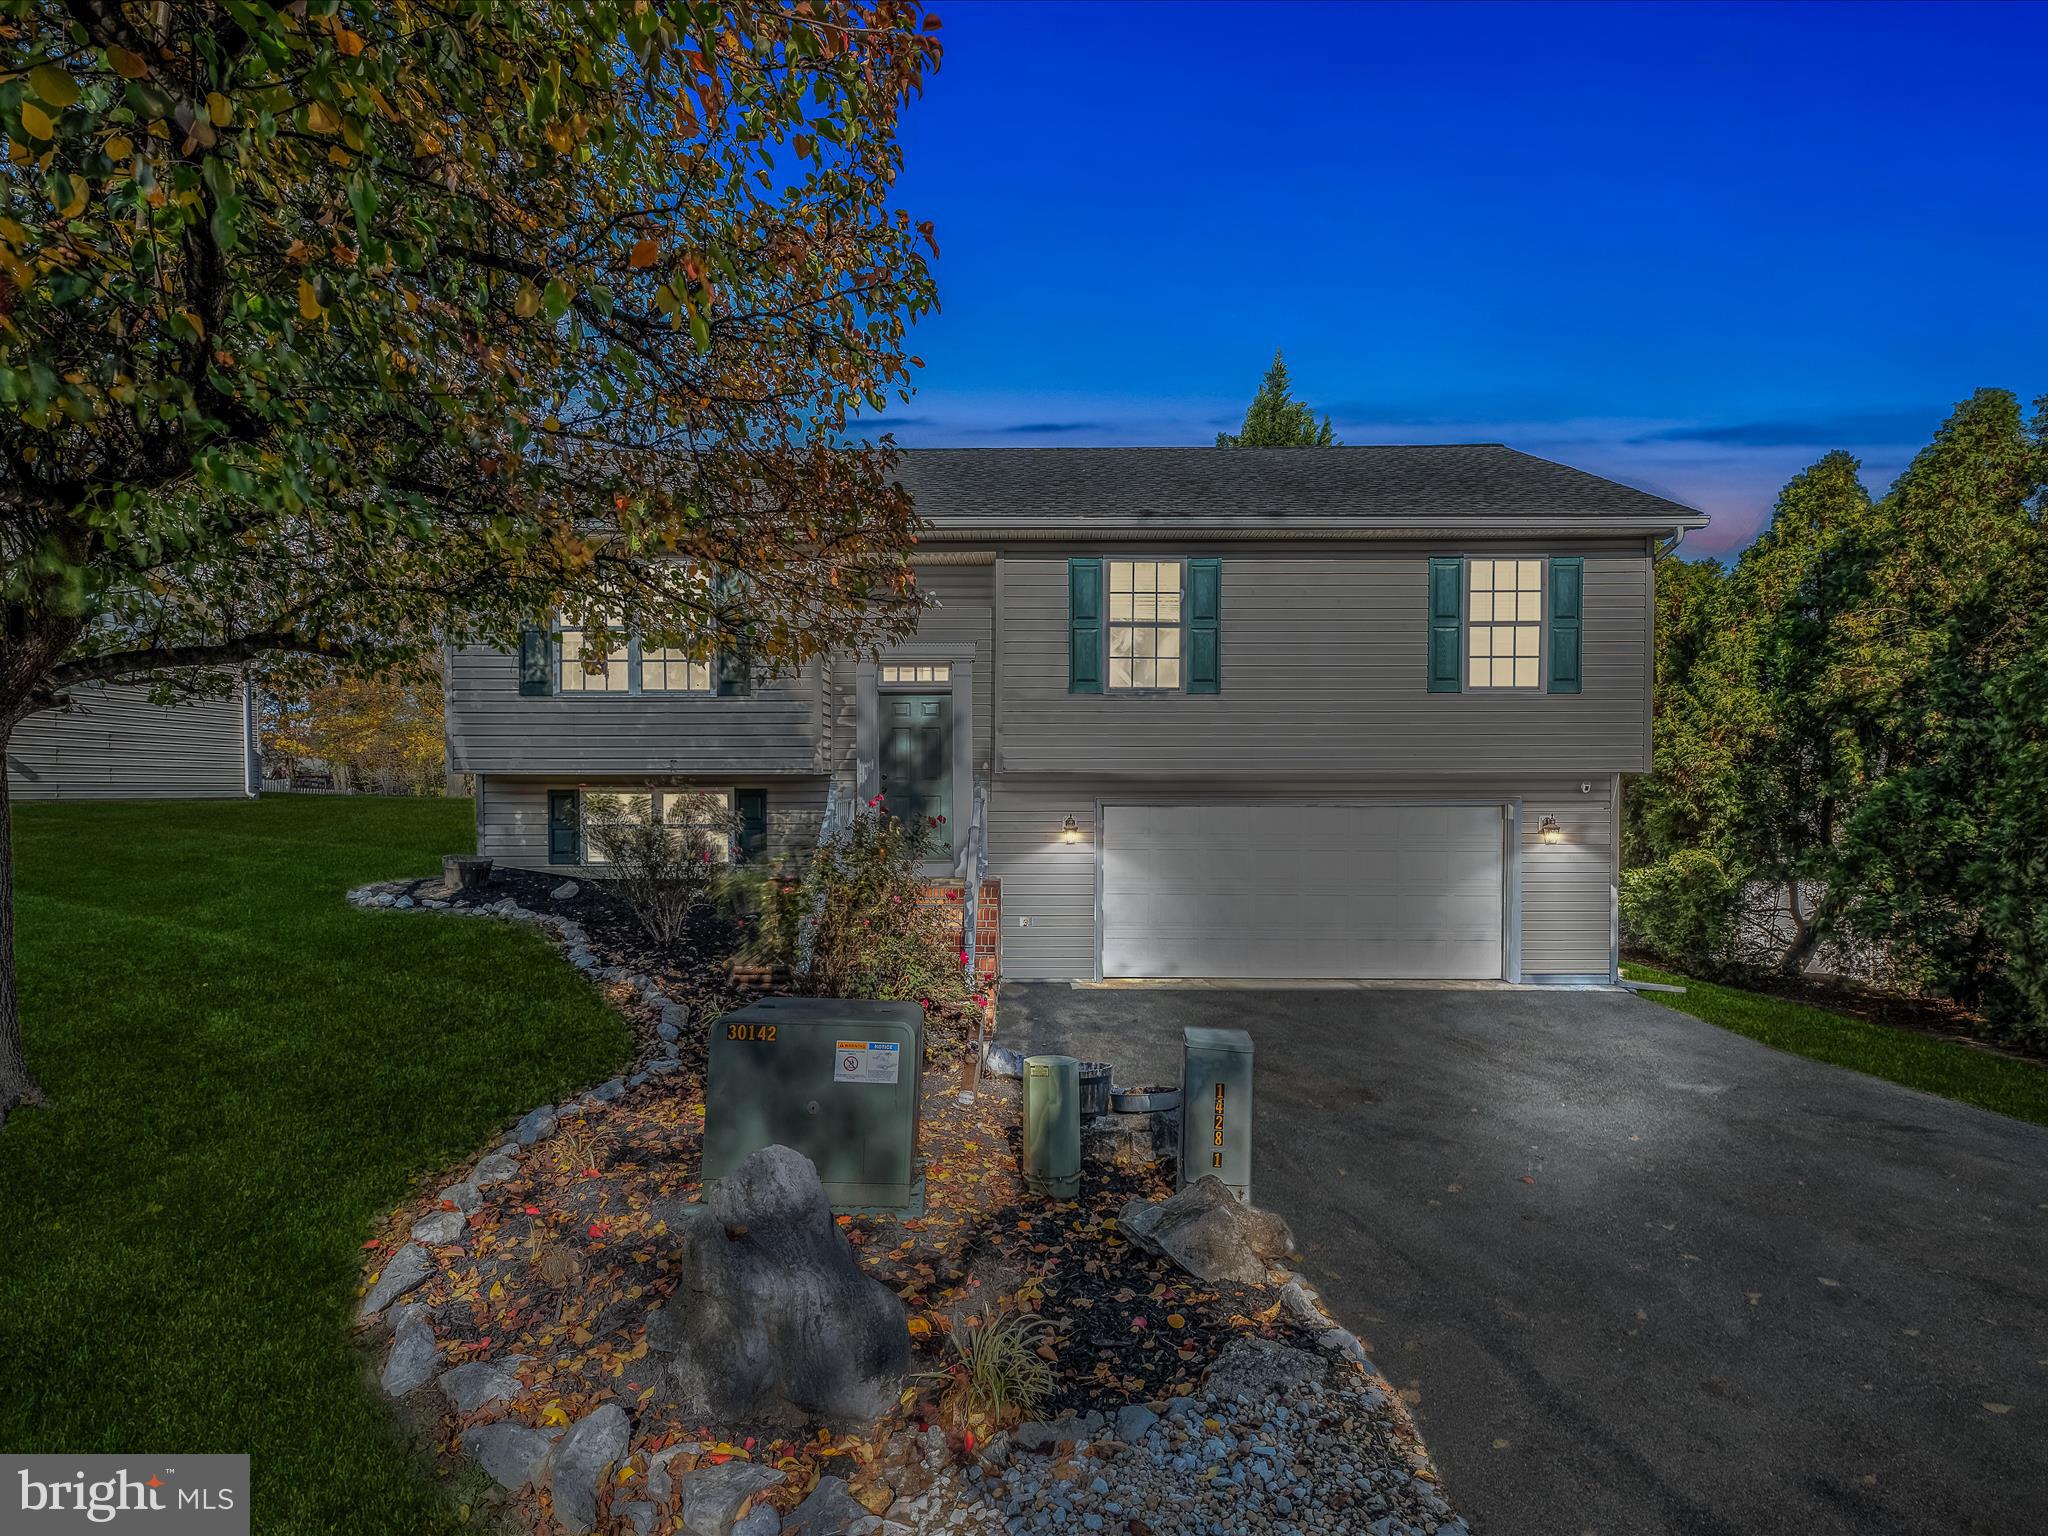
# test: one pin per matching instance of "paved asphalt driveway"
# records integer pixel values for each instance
(1744, 1292)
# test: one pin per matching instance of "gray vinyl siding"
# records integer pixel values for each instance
(512, 813)
(1565, 907)
(116, 745)
(1324, 673)
(491, 729)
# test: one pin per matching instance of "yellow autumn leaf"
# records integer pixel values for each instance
(553, 1414)
(119, 147)
(322, 118)
(310, 309)
(36, 121)
(350, 43)
(12, 232)
(625, 1474)
(1175, 1320)
(644, 254)
(129, 66)
(219, 109)
(53, 85)
(919, 1328)
(527, 305)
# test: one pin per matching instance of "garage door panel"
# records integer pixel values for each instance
(1302, 890)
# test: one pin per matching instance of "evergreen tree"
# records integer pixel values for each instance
(1276, 420)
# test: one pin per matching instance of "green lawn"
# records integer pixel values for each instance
(246, 1073)
(1990, 1081)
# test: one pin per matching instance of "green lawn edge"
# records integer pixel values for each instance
(2005, 1084)
(247, 1074)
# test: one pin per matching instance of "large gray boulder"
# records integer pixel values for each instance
(481, 1382)
(1209, 1233)
(585, 1456)
(772, 1322)
(415, 1357)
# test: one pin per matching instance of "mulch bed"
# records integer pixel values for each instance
(564, 1263)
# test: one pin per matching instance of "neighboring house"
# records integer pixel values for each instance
(1330, 712)
(114, 744)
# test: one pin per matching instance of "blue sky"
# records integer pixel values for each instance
(1691, 247)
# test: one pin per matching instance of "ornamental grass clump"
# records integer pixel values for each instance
(1000, 1372)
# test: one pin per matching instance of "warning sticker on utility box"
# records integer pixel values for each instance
(866, 1061)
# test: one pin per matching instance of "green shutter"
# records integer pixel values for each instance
(1446, 624)
(565, 827)
(1205, 626)
(1084, 626)
(1567, 605)
(536, 662)
(751, 805)
(731, 674)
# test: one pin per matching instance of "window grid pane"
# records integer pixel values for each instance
(665, 670)
(576, 679)
(1504, 628)
(1144, 624)
(919, 672)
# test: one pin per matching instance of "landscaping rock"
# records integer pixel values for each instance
(402, 1272)
(1043, 1435)
(666, 1030)
(414, 1356)
(663, 1068)
(495, 1169)
(777, 1324)
(566, 891)
(830, 1510)
(761, 1520)
(660, 1481)
(1209, 1233)
(604, 1093)
(469, 1387)
(1132, 1422)
(637, 1513)
(1253, 1368)
(587, 1453)
(535, 1125)
(714, 1496)
(675, 1016)
(440, 1229)
(512, 1454)
(466, 1198)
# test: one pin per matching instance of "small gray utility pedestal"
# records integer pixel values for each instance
(1216, 1112)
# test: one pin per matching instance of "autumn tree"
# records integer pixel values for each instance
(380, 730)
(332, 329)
(1277, 420)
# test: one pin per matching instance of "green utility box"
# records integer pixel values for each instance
(835, 1079)
(1216, 1108)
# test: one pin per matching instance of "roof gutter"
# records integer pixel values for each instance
(1019, 531)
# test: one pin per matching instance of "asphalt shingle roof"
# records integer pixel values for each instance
(1453, 482)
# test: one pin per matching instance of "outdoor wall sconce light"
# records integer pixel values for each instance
(1070, 831)
(1548, 831)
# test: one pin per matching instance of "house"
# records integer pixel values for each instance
(1330, 712)
(114, 744)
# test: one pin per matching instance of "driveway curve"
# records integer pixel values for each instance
(1640, 1274)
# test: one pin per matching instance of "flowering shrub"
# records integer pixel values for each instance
(851, 921)
(668, 865)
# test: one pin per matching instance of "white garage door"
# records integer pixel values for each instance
(1394, 891)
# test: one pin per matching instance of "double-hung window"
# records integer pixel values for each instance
(663, 669)
(696, 815)
(1144, 625)
(1504, 626)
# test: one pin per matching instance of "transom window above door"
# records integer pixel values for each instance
(1504, 642)
(895, 674)
(1144, 624)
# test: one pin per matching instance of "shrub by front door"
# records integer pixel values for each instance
(917, 760)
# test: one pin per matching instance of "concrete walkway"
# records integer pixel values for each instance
(1641, 1274)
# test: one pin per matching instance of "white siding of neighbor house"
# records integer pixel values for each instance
(114, 744)
(1566, 906)
(512, 812)
(1324, 673)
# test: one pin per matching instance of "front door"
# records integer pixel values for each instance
(917, 761)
